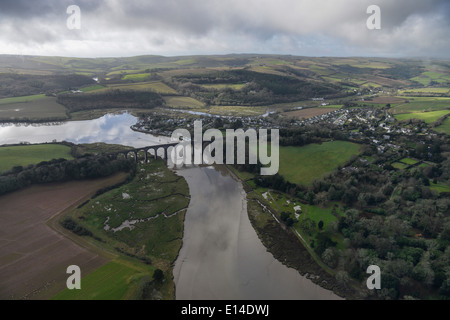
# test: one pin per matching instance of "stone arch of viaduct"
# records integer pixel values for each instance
(146, 151)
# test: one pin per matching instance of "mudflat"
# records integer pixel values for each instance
(34, 257)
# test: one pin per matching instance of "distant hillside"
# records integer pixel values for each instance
(14, 85)
(352, 72)
(237, 79)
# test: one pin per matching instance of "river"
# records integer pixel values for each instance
(221, 257)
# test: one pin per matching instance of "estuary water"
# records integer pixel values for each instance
(221, 257)
(111, 128)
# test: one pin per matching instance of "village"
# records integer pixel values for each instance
(365, 125)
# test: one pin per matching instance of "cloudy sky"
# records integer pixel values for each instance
(112, 28)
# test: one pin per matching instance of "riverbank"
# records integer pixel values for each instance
(141, 222)
(222, 257)
(286, 247)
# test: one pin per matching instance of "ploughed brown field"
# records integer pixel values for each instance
(386, 100)
(309, 113)
(33, 257)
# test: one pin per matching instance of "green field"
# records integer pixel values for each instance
(143, 218)
(185, 62)
(156, 86)
(31, 154)
(323, 71)
(315, 213)
(426, 90)
(444, 127)
(31, 108)
(136, 76)
(22, 99)
(236, 110)
(421, 104)
(371, 84)
(183, 102)
(400, 166)
(302, 165)
(428, 117)
(318, 214)
(92, 88)
(426, 77)
(281, 202)
(439, 187)
(116, 280)
(409, 161)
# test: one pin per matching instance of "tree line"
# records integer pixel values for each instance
(61, 170)
(113, 98)
(259, 88)
(390, 217)
(14, 85)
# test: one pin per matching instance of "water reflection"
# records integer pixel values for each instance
(222, 257)
(111, 128)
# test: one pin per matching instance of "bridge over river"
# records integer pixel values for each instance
(154, 148)
(145, 150)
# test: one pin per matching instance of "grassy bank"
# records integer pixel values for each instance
(292, 245)
(290, 249)
(142, 222)
(31, 154)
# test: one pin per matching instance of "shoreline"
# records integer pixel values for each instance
(289, 250)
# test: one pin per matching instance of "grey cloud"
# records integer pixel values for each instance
(25, 9)
(232, 25)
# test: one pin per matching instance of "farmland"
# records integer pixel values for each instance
(428, 117)
(302, 165)
(136, 76)
(22, 99)
(431, 76)
(156, 86)
(236, 110)
(444, 127)
(385, 100)
(409, 161)
(116, 280)
(440, 187)
(33, 154)
(421, 104)
(367, 181)
(31, 108)
(399, 165)
(34, 258)
(425, 91)
(309, 112)
(182, 102)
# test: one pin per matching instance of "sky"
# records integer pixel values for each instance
(119, 28)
